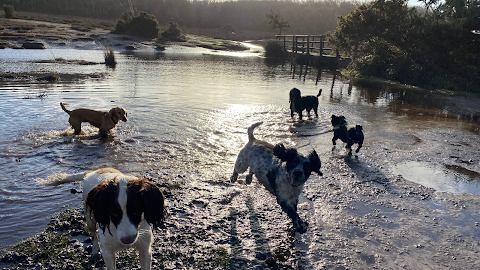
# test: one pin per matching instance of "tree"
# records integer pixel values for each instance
(438, 49)
(276, 22)
(9, 11)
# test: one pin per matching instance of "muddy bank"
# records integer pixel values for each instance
(33, 34)
(361, 216)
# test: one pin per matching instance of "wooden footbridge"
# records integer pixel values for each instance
(311, 50)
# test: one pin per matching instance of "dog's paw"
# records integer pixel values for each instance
(248, 179)
(234, 177)
(95, 257)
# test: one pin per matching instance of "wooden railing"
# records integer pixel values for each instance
(304, 44)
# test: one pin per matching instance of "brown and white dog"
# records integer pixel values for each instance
(124, 207)
(282, 171)
(104, 121)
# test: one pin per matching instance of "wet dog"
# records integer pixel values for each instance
(349, 134)
(104, 121)
(125, 209)
(298, 103)
(282, 171)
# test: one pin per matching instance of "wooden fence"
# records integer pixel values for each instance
(304, 44)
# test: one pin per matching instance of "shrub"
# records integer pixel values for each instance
(173, 31)
(228, 28)
(109, 57)
(122, 23)
(9, 11)
(274, 50)
(143, 25)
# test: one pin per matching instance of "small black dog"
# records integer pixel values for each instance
(299, 103)
(349, 134)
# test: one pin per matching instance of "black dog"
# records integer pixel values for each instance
(349, 134)
(299, 103)
(282, 171)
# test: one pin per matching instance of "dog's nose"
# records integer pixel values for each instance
(128, 239)
(297, 173)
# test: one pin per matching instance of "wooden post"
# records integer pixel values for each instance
(294, 45)
(321, 45)
(308, 44)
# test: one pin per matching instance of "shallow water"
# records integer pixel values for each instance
(188, 110)
(449, 178)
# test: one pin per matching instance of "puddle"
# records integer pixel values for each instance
(447, 178)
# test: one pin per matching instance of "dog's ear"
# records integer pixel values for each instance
(155, 211)
(337, 120)
(112, 114)
(295, 93)
(315, 162)
(359, 127)
(334, 119)
(284, 154)
(98, 199)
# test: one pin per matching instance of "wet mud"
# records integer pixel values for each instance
(361, 215)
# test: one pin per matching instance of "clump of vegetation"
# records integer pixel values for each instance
(143, 25)
(9, 11)
(109, 57)
(436, 48)
(54, 248)
(52, 78)
(228, 28)
(173, 32)
(275, 50)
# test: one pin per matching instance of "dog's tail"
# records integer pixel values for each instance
(319, 93)
(65, 109)
(60, 178)
(250, 131)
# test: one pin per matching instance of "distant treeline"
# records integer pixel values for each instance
(305, 17)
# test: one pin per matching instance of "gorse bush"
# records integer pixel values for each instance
(143, 25)
(173, 31)
(9, 11)
(275, 50)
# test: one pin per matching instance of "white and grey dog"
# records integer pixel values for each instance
(283, 172)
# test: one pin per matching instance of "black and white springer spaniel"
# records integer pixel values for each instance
(282, 171)
(124, 207)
